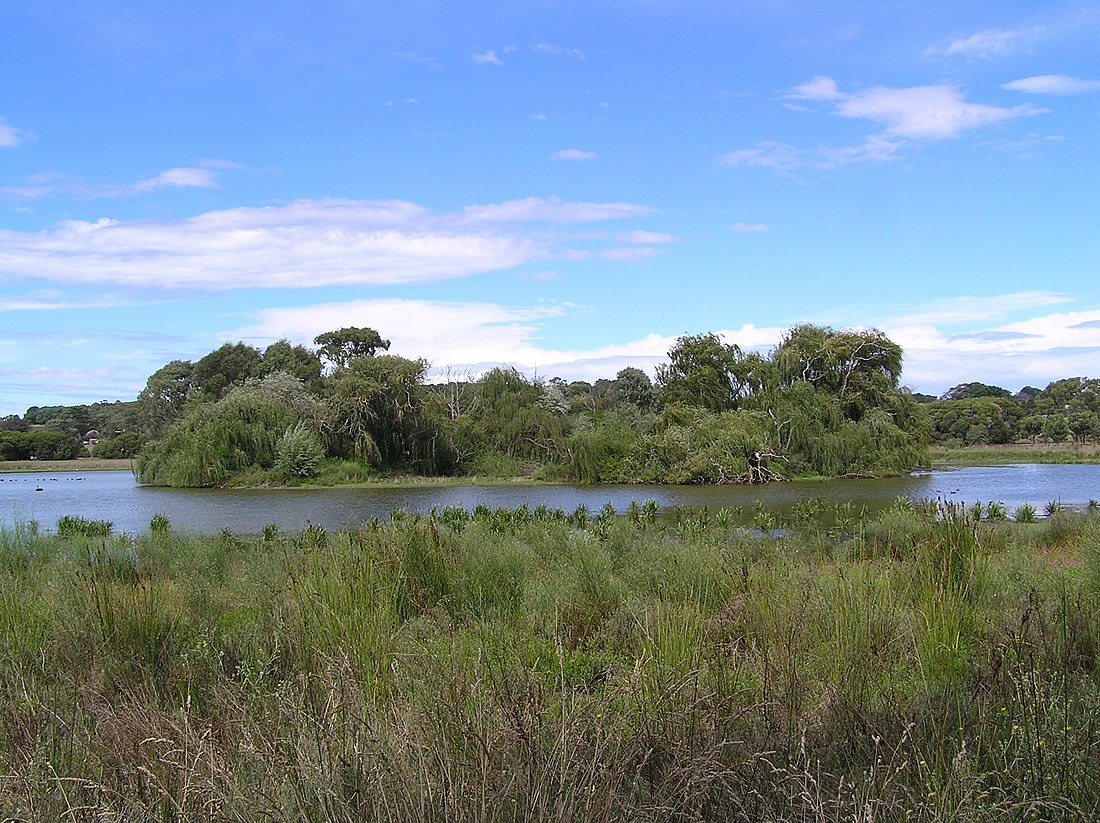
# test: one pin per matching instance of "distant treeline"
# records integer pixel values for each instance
(38, 445)
(100, 429)
(977, 414)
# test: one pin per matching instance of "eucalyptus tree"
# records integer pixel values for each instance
(973, 420)
(229, 365)
(342, 346)
(303, 363)
(968, 391)
(162, 400)
(633, 386)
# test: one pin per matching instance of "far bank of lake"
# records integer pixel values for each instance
(115, 496)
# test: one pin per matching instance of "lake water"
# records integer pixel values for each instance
(115, 496)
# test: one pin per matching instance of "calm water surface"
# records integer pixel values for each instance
(115, 496)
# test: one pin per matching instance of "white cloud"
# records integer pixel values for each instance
(992, 339)
(1059, 84)
(53, 183)
(749, 228)
(924, 112)
(644, 237)
(766, 154)
(573, 154)
(559, 51)
(914, 114)
(55, 301)
(968, 310)
(306, 243)
(10, 136)
(782, 157)
(988, 43)
(548, 209)
(178, 178)
(488, 58)
(820, 88)
(444, 333)
(473, 337)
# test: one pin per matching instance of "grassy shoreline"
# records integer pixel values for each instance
(1015, 453)
(508, 665)
(81, 464)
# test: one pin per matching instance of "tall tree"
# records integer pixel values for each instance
(705, 372)
(342, 346)
(634, 386)
(378, 409)
(294, 360)
(229, 365)
(162, 400)
(860, 368)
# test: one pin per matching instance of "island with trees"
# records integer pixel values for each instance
(822, 403)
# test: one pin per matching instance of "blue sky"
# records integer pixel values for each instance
(562, 186)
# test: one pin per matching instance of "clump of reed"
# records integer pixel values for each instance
(531, 664)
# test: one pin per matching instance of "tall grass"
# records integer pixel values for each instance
(505, 665)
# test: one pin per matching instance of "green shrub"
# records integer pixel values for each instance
(1025, 513)
(70, 526)
(298, 452)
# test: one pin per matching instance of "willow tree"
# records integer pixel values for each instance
(212, 442)
(705, 372)
(860, 368)
(379, 409)
(511, 415)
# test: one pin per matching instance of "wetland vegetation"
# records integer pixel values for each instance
(931, 663)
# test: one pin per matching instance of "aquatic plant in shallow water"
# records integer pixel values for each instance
(75, 526)
(1025, 513)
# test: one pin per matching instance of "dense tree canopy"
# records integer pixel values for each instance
(824, 402)
(705, 372)
(378, 409)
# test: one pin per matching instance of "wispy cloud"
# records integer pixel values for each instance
(488, 57)
(985, 44)
(10, 136)
(782, 157)
(56, 184)
(1059, 84)
(303, 244)
(1009, 340)
(924, 112)
(767, 155)
(907, 115)
(547, 209)
(645, 237)
(558, 51)
(573, 155)
(749, 228)
(180, 178)
(964, 311)
(414, 57)
(56, 301)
